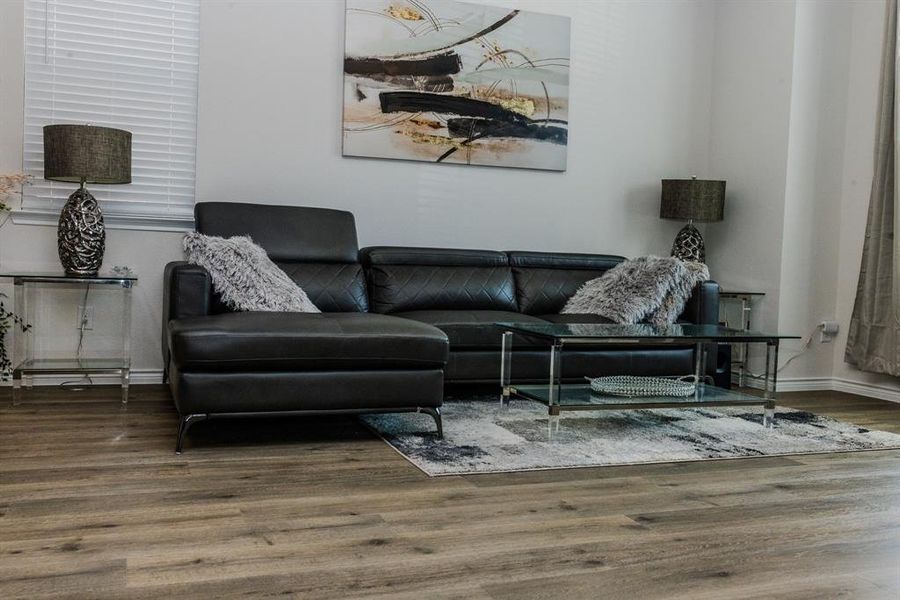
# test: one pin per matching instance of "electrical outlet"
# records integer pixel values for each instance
(828, 330)
(85, 318)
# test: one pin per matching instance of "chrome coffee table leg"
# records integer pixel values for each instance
(770, 384)
(505, 365)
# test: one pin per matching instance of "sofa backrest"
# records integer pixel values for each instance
(546, 280)
(316, 247)
(407, 279)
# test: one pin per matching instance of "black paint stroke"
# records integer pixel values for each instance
(448, 63)
(457, 105)
(483, 32)
(455, 148)
(482, 128)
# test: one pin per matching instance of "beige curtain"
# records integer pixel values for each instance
(873, 342)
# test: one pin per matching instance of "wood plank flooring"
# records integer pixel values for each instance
(95, 504)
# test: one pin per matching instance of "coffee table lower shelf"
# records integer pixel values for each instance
(578, 396)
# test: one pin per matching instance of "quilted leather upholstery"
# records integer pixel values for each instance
(395, 288)
(405, 279)
(546, 280)
(545, 291)
(332, 287)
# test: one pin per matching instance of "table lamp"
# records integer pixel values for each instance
(84, 154)
(691, 200)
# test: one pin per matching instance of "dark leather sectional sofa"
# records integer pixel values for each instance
(397, 324)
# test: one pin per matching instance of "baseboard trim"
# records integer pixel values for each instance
(138, 377)
(805, 384)
(870, 390)
(819, 384)
(788, 384)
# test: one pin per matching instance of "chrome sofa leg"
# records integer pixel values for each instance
(183, 425)
(436, 415)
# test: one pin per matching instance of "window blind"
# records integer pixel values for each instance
(130, 64)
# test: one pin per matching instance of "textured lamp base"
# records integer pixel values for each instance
(689, 245)
(81, 235)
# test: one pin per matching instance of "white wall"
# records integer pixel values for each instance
(270, 118)
(750, 117)
(810, 245)
(775, 96)
(269, 131)
(793, 114)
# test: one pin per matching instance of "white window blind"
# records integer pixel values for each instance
(130, 64)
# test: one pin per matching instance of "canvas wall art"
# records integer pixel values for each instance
(453, 82)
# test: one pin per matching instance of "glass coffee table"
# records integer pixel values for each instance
(560, 396)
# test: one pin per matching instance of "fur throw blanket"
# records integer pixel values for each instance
(245, 277)
(649, 289)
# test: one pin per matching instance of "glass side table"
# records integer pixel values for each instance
(80, 326)
(745, 299)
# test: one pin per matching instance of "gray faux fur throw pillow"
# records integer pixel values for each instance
(650, 289)
(244, 276)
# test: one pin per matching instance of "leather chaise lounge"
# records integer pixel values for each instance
(397, 324)
(342, 360)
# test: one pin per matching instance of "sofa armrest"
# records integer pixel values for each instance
(703, 307)
(187, 292)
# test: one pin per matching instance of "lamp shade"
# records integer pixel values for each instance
(77, 153)
(692, 200)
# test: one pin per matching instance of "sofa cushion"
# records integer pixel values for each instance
(471, 329)
(546, 280)
(255, 341)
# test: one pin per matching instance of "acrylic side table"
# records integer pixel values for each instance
(746, 302)
(42, 296)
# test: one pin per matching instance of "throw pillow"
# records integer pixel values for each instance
(244, 276)
(649, 289)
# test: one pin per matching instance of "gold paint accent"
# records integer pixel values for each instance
(407, 13)
(434, 140)
(523, 106)
(426, 123)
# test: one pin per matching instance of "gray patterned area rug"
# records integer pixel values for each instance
(482, 437)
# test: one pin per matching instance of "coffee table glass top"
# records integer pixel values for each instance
(613, 332)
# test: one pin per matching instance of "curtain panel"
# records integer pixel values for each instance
(873, 342)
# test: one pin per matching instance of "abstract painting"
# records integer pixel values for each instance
(451, 82)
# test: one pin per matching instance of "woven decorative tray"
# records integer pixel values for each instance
(632, 386)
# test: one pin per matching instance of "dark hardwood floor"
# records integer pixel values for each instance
(95, 504)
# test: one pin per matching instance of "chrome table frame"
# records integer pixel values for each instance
(555, 385)
(28, 366)
(739, 359)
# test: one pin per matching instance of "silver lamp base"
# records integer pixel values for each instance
(81, 235)
(689, 245)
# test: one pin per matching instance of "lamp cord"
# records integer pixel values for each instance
(806, 342)
(78, 385)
